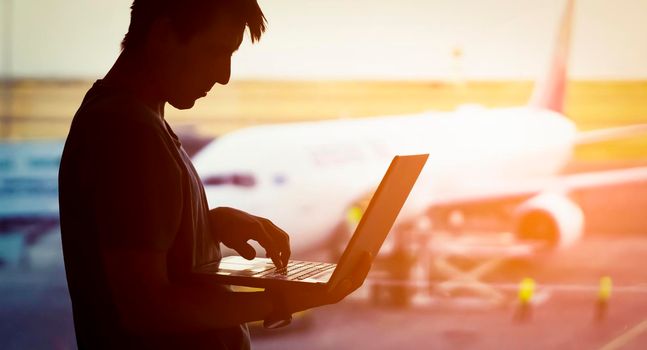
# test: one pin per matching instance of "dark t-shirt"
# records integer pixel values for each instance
(126, 183)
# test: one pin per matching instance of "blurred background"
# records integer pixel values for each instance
(457, 274)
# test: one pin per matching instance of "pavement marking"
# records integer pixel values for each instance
(626, 337)
(514, 287)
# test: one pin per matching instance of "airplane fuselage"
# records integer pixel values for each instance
(305, 175)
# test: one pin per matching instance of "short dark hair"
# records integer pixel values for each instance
(190, 16)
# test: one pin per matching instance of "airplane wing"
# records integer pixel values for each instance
(523, 189)
(600, 135)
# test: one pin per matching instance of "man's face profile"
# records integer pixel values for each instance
(189, 68)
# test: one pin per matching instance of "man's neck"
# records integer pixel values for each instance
(133, 73)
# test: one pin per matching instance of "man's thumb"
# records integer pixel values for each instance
(246, 251)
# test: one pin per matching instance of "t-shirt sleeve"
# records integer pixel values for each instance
(135, 188)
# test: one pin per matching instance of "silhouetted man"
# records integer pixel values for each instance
(134, 217)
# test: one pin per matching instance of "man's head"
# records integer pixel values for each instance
(188, 43)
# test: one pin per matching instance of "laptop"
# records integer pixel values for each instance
(375, 224)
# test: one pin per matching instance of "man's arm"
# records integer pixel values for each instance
(148, 302)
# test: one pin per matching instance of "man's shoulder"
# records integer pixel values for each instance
(110, 107)
(109, 115)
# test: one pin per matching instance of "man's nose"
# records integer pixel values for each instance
(224, 73)
(224, 80)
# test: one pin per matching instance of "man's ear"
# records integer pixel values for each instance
(161, 36)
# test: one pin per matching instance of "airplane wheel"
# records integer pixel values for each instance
(394, 296)
(396, 267)
(376, 294)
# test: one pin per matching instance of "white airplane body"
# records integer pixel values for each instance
(307, 174)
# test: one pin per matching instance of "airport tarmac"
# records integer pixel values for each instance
(566, 315)
(35, 310)
(565, 322)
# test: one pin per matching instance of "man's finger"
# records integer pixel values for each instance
(280, 239)
(276, 260)
(275, 257)
(261, 236)
(273, 240)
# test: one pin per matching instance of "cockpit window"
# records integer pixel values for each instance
(236, 179)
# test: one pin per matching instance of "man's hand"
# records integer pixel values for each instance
(235, 227)
(293, 299)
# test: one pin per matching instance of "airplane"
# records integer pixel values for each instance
(305, 176)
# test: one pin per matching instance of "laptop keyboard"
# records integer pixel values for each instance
(296, 270)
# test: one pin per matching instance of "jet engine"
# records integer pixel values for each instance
(550, 218)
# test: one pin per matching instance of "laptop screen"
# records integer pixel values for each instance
(381, 213)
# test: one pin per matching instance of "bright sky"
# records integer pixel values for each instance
(342, 39)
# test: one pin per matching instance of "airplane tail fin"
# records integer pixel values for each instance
(549, 91)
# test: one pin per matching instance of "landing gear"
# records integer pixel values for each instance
(395, 280)
(393, 290)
